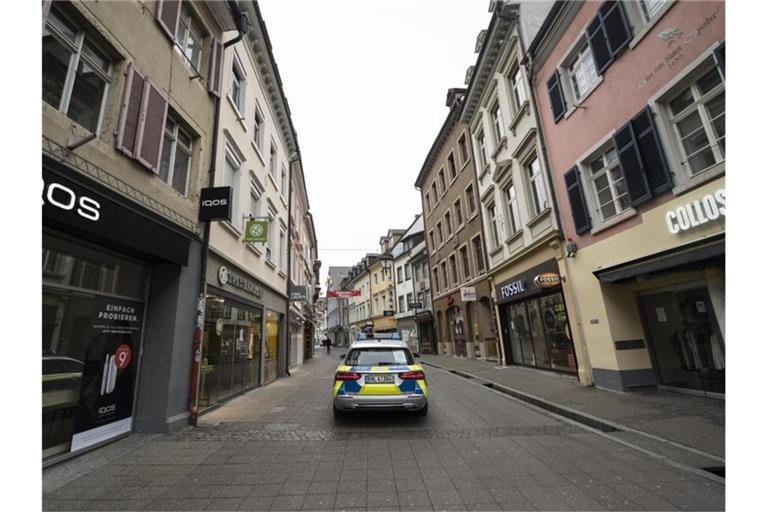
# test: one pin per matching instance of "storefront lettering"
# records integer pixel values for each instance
(65, 198)
(118, 312)
(699, 211)
(227, 277)
(512, 288)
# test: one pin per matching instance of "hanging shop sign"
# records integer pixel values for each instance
(228, 277)
(216, 203)
(415, 305)
(256, 230)
(709, 208)
(469, 294)
(106, 388)
(343, 294)
(547, 280)
(298, 293)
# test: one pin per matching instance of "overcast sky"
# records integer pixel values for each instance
(366, 81)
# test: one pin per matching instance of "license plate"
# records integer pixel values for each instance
(380, 379)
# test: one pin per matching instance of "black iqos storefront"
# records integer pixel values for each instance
(102, 263)
(534, 320)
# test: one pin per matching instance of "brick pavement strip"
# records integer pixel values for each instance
(279, 448)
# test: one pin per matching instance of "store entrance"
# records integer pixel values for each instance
(686, 343)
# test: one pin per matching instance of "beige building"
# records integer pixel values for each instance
(129, 97)
(359, 307)
(461, 295)
(522, 231)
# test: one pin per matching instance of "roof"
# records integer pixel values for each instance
(379, 344)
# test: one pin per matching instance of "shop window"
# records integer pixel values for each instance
(76, 72)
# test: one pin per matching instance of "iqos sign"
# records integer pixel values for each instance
(709, 208)
(61, 196)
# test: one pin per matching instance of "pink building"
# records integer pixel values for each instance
(632, 105)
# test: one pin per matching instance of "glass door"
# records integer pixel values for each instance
(538, 337)
(558, 333)
(522, 326)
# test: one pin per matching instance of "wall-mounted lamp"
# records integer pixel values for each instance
(570, 248)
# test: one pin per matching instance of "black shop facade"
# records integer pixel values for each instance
(535, 329)
(116, 316)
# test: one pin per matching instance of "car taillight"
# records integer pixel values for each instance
(347, 376)
(417, 375)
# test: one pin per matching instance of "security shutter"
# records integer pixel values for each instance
(128, 127)
(581, 220)
(151, 127)
(616, 27)
(651, 153)
(631, 165)
(168, 16)
(556, 98)
(214, 69)
(720, 57)
(599, 45)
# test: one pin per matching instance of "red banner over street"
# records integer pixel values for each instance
(343, 294)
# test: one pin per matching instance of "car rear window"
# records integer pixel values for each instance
(379, 356)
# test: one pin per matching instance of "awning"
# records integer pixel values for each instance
(691, 256)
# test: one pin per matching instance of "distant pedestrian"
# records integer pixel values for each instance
(327, 345)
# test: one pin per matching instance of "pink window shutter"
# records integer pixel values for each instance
(168, 16)
(151, 127)
(217, 61)
(128, 127)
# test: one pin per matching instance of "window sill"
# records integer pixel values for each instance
(525, 107)
(271, 264)
(464, 165)
(616, 219)
(252, 247)
(458, 229)
(282, 200)
(240, 117)
(258, 153)
(496, 250)
(281, 274)
(538, 218)
(514, 238)
(272, 180)
(502, 144)
(708, 174)
(581, 101)
(232, 229)
(484, 171)
(648, 26)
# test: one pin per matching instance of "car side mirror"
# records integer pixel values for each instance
(415, 354)
(342, 356)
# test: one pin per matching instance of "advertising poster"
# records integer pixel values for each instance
(106, 391)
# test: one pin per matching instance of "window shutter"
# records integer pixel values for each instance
(128, 127)
(651, 152)
(720, 57)
(631, 165)
(151, 127)
(599, 45)
(581, 220)
(556, 98)
(217, 61)
(168, 16)
(616, 27)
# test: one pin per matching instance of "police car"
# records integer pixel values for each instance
(379, 372)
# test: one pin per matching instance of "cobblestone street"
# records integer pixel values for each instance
(279, 448)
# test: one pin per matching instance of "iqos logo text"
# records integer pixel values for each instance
(60, 196)
(214, 202)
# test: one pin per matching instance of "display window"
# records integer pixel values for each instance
(93, 309)
(272, 342)
(231, 350)
(536, 333)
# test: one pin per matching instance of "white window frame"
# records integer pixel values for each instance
(470, 192)
(283, 182)
(581, 63)
(494, 234)
(259, 127)
(237, 72)
(231, 157)
(497, 121)
(612, 184)
(187, 31)
(537, 185)
(513, 209)
(76, 48)
(517, 87)
(175, 146)
(481, 150)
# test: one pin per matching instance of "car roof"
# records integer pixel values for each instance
(379, 344)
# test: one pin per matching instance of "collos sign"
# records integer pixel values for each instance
(696, 213)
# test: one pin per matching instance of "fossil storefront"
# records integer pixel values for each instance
(534, 320)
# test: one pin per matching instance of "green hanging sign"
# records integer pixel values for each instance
(256, 230)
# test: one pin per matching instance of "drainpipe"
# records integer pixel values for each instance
(241, 21)
(583, 360)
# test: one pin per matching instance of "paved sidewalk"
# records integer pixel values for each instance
(691, 421)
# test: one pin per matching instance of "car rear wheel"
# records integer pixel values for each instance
(423, 411)
(337, 413)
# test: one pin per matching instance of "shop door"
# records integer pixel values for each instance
(538, 336)
(558, 333)
(521, 328)
(686, 343)
(458, 331)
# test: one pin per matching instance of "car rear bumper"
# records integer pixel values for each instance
(360, 402)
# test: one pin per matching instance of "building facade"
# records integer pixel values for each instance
(641, 183)
(405, 296)
(383, 284)
(335, 325)
(128, 124)
(522, 230)
(425, 326)
(461, 293)
(359, 307)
